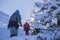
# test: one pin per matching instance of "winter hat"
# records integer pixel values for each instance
(17, 11)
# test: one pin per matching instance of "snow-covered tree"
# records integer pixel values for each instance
(45, 13)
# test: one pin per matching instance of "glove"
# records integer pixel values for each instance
(21, 25)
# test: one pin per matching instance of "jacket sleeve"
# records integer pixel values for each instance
(19, 19)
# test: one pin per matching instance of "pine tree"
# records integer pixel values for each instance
(44, 12)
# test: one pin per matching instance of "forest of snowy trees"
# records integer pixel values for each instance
(46, 16)
(45, 13)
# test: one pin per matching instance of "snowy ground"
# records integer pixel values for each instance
(4, 35)
(49, 35)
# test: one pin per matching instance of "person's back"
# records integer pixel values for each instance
(15, 17)
(26, 25)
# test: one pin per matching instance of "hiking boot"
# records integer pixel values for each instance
(13, 35)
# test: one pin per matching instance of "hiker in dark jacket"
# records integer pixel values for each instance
(13, 23)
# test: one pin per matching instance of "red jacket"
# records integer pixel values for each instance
(26, 25)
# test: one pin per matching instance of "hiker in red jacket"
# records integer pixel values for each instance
(26, 28)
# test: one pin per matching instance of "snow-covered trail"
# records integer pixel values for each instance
(5, 35)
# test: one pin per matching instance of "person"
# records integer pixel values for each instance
(14, 21)
(26, 28)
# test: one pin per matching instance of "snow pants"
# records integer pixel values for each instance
(26, 31)
(13, 31)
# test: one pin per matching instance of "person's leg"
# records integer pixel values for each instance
(27, 32)
(15, 31)
(11, 31)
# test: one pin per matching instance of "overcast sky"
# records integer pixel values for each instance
(24, 6)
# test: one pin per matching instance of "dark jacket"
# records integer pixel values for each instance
(14, 20)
